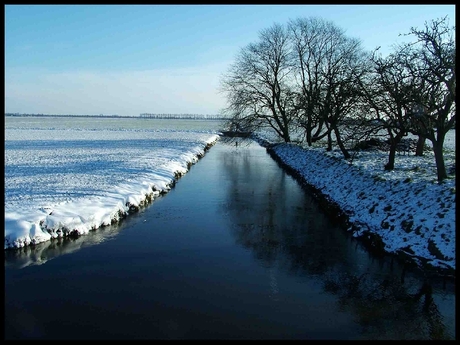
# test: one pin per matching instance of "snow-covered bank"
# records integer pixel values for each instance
(404, 211)
(77, 182)
(82, 175)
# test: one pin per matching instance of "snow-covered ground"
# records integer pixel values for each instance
(59, 180)
(66, 178)
(411, 213)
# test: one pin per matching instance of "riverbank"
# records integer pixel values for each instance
(90, 174)
(404, 213)
(176, 269)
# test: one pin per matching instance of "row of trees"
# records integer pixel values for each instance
(309, 76)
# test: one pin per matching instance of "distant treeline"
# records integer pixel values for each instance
(145, 115)
(63, 115)
(183, 116)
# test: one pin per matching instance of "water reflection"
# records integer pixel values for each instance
(275, 218)
(177, 279)
(387, 309)
(43, 252)
(284, 228)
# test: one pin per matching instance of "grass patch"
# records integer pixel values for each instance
(387, 208)
(407, 225)
(378, 178)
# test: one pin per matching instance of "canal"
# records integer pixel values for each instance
(237, 250)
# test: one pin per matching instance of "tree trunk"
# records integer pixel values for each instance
(391, 158)
(420, 146)
(309, 139)
(318, 130)
(439, 158)
(309, 130)
(329, 141)
(394, 141)
(340, 143)
(286, 136)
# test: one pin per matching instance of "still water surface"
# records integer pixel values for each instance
(237, 250)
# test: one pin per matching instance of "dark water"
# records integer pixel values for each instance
(237, 250)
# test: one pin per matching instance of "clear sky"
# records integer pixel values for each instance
(132, 59)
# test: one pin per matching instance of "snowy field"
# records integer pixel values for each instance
(409, 211)
(64, 175)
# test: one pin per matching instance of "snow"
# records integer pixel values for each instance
(407, 208)
(60, 180)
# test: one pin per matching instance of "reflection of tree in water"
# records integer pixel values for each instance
(236, 141)
(387, 309)
(284, 227)
(275, 219)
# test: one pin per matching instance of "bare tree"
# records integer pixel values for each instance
(308, 37)
(344, 70)
(431, 61)
(258, 87)
(328, 64)
(388, 93)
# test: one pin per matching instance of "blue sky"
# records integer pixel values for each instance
(127, 60)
